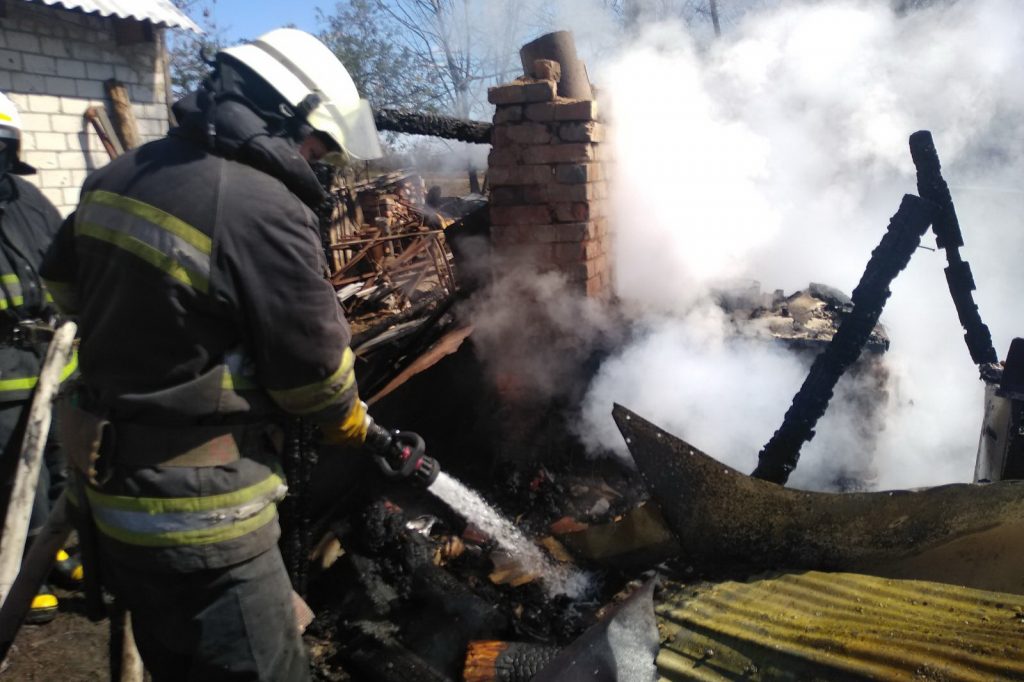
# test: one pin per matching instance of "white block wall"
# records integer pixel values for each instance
(52, 65)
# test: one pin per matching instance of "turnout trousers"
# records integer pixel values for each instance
(218, 625)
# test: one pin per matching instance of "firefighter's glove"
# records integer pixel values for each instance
(401, 454)
(352, 430)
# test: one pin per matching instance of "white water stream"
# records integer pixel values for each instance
(556, 578)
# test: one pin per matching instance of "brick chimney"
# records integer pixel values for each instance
(548, 188)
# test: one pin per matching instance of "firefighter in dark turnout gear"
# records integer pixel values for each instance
(195, 268)
(28, 223)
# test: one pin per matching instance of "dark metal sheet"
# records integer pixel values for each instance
(966, 534)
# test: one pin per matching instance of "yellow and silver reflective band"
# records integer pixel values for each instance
(63, 294)
(28, 383)
(175, 521)
(155, 236)
(319, 395)
(239, 372)
(13, 295)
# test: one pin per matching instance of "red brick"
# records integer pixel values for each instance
(522, 92)
(574, 232)
(585, 192)
(598, 287)
(506, 94)
(536, 194)
(597, 208)
(578, 173)
(536, 253)
(518, 175)
(581, 132)
(571, 212)
(509, 155)
(547, 69)
(570, 253)
(506, 196)
(576, 110)
(510, 235)
(560, 153)
(540, 91)
(508, 114)
(541, 111)
(581, 272)
(526, 133)
(520, 215)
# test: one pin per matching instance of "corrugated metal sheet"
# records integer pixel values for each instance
(838, 626)
(158, 11)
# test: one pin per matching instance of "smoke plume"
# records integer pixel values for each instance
(778, 154)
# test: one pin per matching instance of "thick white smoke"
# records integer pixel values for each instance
(779, 154)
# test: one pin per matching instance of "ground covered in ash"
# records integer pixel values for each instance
(416, 583)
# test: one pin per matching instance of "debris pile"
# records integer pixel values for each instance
(386, 249)
(429, 596)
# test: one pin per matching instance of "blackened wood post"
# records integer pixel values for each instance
(931, 186)
(413, 123)
(779, 456)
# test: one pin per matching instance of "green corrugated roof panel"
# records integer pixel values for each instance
(838, 626)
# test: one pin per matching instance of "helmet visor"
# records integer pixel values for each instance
(354, 130)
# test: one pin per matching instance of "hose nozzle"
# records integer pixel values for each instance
(402, 454)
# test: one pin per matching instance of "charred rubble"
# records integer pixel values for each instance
(404, 588)
(693, 568)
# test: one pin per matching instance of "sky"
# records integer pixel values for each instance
(241, 19)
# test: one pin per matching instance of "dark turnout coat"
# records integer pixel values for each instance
(28, 223)
(195, 268)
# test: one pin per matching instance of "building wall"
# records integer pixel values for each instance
(53, 63)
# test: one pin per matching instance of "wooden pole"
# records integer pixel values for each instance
(101, 124)
(124, 118)
(125, 662)
(132, 669)
(12, 543)
(33, 573)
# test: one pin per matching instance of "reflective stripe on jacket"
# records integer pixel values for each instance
(28, 224)
(169, 522)
(14, 387)
(199, 285)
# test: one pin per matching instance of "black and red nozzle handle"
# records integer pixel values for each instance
(402, 454)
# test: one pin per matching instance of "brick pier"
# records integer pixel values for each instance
(548, 190)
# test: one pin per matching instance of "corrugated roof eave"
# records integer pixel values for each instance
(161, 12)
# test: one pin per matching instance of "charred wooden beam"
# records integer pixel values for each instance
(496, 661)
(434, 125)
(779, 456)
(372, 652)
(931, 186)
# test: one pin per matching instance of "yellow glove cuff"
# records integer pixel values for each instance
(352, 430)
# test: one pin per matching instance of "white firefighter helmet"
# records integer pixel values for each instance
(10, 139)
(298, 65)
(10, 120)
